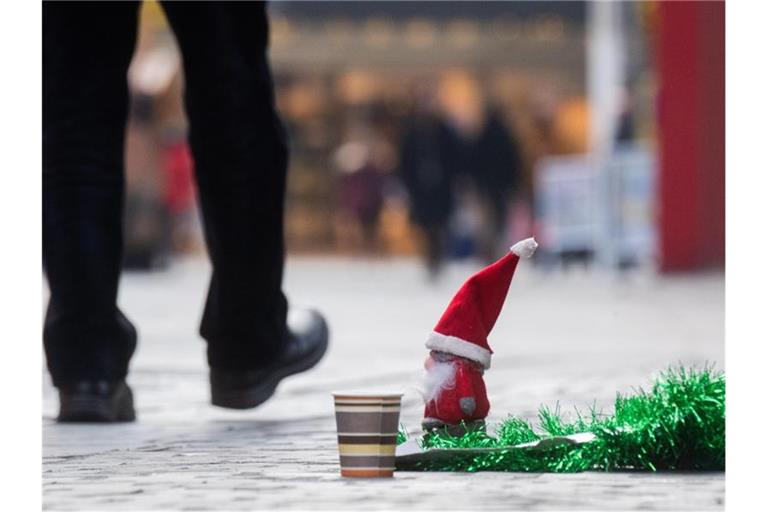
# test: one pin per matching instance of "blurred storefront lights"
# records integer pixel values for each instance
(420, 33)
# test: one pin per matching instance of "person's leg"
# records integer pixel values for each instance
(435, 250)
(240, 156)
(87, 48)
(500, 210)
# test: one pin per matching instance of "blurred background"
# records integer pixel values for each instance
(447, 130)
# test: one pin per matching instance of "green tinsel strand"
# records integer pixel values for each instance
(402, 435)
(678, 425)
(516, 431)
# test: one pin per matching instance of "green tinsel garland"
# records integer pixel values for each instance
(678, 425)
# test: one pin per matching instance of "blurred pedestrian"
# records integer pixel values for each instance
(486, 162)
(495, 168)
(427, 178)
(360, 190)
(178, 170)
(240, 156)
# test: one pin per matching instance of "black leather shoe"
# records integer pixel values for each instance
(307, 343)
(96, 402)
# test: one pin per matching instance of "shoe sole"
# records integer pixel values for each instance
(85, 408)
(255, 396)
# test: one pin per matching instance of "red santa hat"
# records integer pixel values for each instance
(464, 327)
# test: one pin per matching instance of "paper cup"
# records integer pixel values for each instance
(367, 428)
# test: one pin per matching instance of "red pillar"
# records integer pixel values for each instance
(691, 65)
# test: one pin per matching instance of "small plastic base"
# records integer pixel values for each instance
(432, 424)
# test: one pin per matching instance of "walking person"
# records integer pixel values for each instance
(427, 178)
(495, 170)
(240, 155)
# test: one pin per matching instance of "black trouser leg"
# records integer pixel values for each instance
(87, 48)
(435, 250)
(240, 161)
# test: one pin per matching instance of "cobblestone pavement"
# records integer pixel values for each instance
(573, 338)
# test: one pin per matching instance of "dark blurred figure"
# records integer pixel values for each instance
(427, 177)
(240, 155)
(489, 159)
(625, 128)
(483, 157)
(496, 172)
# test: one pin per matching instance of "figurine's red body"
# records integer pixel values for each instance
(464, 400)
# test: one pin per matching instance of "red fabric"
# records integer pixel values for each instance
(474, 309)
(468, 384)
(179, 174)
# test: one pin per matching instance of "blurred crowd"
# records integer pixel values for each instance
(456, 165)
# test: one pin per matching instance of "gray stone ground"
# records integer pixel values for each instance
(572, 337)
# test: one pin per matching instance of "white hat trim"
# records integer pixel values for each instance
(458, 347)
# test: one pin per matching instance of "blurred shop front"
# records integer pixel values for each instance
(345, 69)
(349, 73)
(348, 78)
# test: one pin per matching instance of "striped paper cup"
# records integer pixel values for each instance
(367, 428)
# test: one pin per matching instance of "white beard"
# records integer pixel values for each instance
(439, 377)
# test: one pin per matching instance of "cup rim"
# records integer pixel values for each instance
(367, 394)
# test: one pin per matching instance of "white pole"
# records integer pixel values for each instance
(605, 80)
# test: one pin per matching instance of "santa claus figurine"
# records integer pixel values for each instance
(459, 350)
